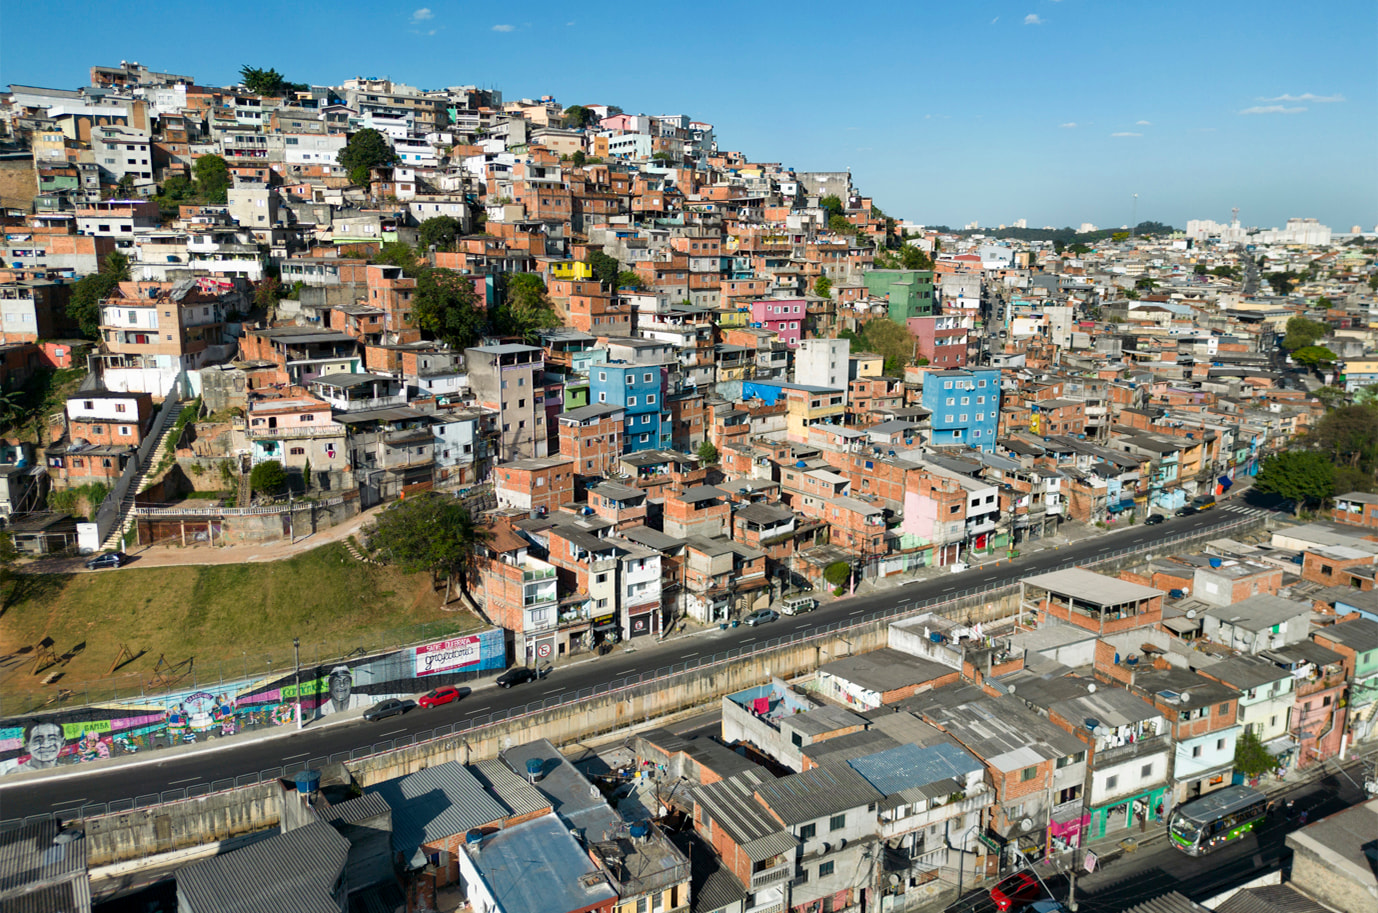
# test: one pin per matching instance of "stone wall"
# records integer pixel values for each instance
(180, 825)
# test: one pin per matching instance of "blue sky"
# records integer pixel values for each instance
(1056, 111)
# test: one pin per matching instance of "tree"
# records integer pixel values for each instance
(212, 178)
(1145, 283)
(1282, 282)
(1302, 476)
(124, 188)
(364, 151)
(823, 288)
(268, 292)
(707, 453)
(1250, 757)
(839, 225)
(578, 159)
(837, 573)
(268, 477)
(578, 117)
(1120, 237)
(268, 82)
(84, 304)
(831, 206)
(605, 268)
(1131, 294)
(440, 232)
(1329, 396)
(1347, 436)
(1314, 356)
(525, 309)
(1080, 249)
(1302, 333)
(178, 187)
(629, 279)
(399, 253)
(446, 307)
(912, 257)
(430, 533)
(889, 340)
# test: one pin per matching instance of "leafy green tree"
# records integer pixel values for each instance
(1347, 436)
(525, 309)
(892, 342)
(440, 231)
(1314, 356)
(1302, 476)
(212, 178)
(1329, 395)
(823, 288)
(178, 187)
(1080, 249)
(1120, 237)
(268, 477)
(268, 292)
(124, 189)
(268, 82)
(839, 225)
(1282, 282)
(430, 533)
(399, 253)
(912, 257)
(605, 268)
(1250, 757)
(1131, 294)
(1146, 284)
(364, 151)
(1226, 272)
(707, 453)
(577, 117)
(89, 291)
(629, 279)
(837, 573)
(446, 307)
(1302, 333)
(11, 407)
(578, 159)
(831, 205)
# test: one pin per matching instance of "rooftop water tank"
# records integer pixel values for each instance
(308, 781)
(1215, 562)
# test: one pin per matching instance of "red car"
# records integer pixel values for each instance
(438, 696)
(1014, 892)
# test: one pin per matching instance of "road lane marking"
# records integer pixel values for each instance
(625, 672)
(394, 732)
(690, 655)
(187, 780)
(554, 691)
(295, 756)
(70, 802)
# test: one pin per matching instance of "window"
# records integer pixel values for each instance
(1146, 771)
(1112, 782)
(631, 401)
(650, 399)
(124, 431)
(1196, 751)
(951, 401)
(808, 831)
(1028, 774)
(1222, 709)
(825, 870)
(297, 451)
(602, 375)
(119, 407)
(646, 378)
(837, 822)
(1219, 744)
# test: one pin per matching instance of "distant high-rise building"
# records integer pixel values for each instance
(1087, 227)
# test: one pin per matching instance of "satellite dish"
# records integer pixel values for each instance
(894, 880)
(1191, 613)
(1026, 824)
(1091, 688)
(1010, 688)
(1186, 697)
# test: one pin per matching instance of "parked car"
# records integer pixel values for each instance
(520, 675)
(1154, 519)
(1015, 891)
(761, 616)
(798, 605)
(109, 559)
(1186, 511)
(385, 708)
(443, 695)
(1203, 503)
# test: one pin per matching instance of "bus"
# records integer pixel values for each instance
(1206, 824)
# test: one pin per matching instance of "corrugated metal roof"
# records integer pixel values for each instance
(436, 803)
(360, 808)
(731, 804)
(712, 885)
(67, 897)
(1172, 902)
(817, 793)
(1276, 898)
(28, 857)
(912, 767)
(510, 788)
(538, 867)
(294, 871)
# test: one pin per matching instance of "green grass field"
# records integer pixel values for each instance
(235, 620)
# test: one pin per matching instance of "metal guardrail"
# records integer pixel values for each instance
(904, 607)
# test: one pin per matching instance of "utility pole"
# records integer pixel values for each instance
(296, 652)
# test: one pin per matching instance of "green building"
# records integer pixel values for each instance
(909, 291)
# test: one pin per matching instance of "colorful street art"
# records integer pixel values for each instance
(90, 733)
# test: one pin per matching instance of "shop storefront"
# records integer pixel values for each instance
(1127, 813)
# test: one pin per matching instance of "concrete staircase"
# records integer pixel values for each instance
(164, 432)
(245, 494)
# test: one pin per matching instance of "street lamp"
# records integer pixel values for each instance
(962, 855)
(296, 652)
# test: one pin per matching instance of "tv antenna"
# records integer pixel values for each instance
(1134, 215)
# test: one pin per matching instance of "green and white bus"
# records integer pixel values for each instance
(1206, 824)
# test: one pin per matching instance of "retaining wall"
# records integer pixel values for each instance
(180, 825)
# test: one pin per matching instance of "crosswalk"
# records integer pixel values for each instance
(1250, 511)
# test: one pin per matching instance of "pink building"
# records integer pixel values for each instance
(941, 338)
(783, 316)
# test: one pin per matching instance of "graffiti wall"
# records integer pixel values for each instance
(199, 714)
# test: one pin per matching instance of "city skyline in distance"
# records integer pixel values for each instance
(1054, 112)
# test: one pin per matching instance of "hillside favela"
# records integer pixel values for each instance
(425, 497)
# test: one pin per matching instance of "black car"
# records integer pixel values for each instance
(1154, 519)
(520, 675)
(385, 708)
(109, 559)
(1187, 511)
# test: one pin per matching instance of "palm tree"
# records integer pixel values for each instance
(11, 407)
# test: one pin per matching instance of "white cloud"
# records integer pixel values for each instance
(995, 20)
(569, 24)
(1272, 109)
(1318, 99)
(1032, 19)
(1126, 133)
(422, 15)
(1142, 123)
(431, 32)
(1069, 125)
(504, 28)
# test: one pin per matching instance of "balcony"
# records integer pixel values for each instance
(328, 429)
(1140, 748)
(770, 876)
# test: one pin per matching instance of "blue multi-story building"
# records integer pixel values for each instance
(640, 390)
(965, 405)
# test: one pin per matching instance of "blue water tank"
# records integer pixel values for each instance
(308, 781)
(639, 830)
(474, 836)
(533, 767)
(1216, 562)
(935, 637)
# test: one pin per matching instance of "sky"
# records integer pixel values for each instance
(1054, 111)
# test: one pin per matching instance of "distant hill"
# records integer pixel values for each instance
(1068, 236)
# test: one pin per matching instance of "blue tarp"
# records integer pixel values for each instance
(1225, 482)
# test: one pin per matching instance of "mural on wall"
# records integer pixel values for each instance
(82, 734)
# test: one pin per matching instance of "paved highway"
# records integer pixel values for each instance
(65, 791)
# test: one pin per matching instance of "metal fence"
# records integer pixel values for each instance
(951, 604)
